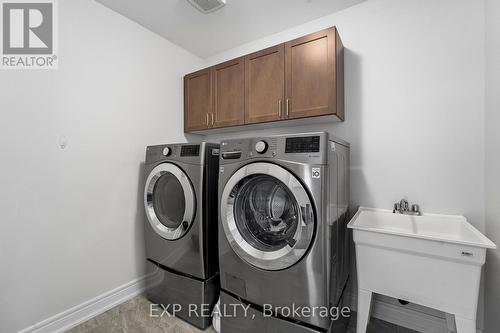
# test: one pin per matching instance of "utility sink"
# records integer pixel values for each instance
(443, 228)
(432, 260)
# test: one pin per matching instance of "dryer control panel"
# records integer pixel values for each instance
(191, 153)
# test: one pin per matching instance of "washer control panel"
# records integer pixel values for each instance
(303, 148)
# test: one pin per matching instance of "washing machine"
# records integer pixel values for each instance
(181, 228)
(283, 240)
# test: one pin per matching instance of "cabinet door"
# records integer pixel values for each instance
(197, 100)
(229, 93)
(310, 75)
(264, 85)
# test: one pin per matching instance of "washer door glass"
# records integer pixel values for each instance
(169, 201)
(267, 216)
(266, 213)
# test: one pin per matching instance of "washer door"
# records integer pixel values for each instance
(169, 200)
(267, 216)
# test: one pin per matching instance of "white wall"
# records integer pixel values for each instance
(492, 295)
(71, 220)
(414, 102)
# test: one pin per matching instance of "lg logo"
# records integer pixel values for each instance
(27, 28)
(316, 173)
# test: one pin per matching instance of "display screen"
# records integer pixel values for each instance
(193, 150)
(305, 144)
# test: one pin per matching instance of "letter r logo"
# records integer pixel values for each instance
(27, 27)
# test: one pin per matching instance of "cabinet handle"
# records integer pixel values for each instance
(212, 119)
(279, 108)
(208, 123)
(287, 107)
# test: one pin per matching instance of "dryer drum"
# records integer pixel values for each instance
(169, 201)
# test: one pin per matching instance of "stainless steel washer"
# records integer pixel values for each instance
(283, 240)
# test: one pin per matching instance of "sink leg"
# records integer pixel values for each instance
(465, 325)
(450, 322)
(364, 309)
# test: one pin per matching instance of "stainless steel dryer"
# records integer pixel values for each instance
(282, 237)
(181, 228)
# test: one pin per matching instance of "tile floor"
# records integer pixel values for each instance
(133, 317)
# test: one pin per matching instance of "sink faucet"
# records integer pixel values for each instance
(403, 207)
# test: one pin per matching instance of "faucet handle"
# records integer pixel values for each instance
(415, 208)
(404, 205)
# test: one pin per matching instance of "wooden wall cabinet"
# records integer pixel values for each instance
(313, 83)
(297, 79)
(198, 103)
(229, 93)
(264, 85)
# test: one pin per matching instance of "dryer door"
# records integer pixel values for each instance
(170, 201)
(267, 216)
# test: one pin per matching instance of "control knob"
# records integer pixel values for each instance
(167, 151)
(261, 147)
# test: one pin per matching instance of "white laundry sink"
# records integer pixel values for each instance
(432, 260)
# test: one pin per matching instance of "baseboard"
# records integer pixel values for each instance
(406, 317)
(89, 309)
(399, 315)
